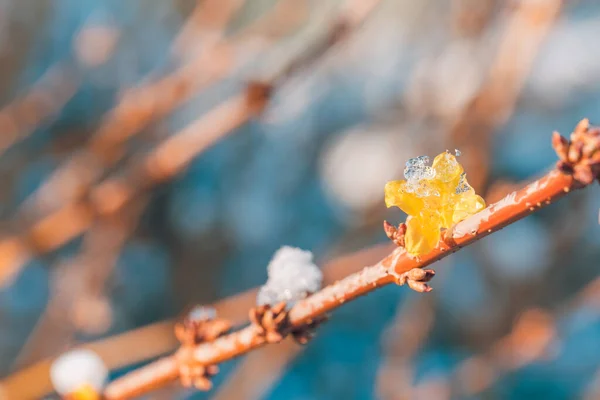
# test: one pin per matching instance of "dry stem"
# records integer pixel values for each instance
(391, 269)
(79, 204)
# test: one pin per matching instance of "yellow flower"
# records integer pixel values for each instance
(84, 392)
(435, 198)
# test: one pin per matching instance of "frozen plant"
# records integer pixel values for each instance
(79, 374)
(292, 276)
(435, 199)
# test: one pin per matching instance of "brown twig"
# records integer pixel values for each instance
(406, 335)
(104, 239)
(136, 109)
(473, 129)
(81, 280)
(531, 339)
(130, 347)
(43, 101)
(391, 269)
(168, 159)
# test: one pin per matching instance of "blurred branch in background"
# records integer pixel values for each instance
(165, 162)
(42, 102)
(103, 242)
(78, 302)
(73, 180)
(449, 90)
(534, 336)
(402, 341)
(169, 158)
(258, 372)
(493, 104)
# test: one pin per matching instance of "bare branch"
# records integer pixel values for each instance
(392, 269)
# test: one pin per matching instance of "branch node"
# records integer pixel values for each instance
(579, 156)
(272, 322)
(305, 333)
(396, 235)
(416, 279)
(448, 237)
(258, 94)
(274, 325)
(200, 325)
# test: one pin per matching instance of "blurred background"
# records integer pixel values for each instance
(154, 154)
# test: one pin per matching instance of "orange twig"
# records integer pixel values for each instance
(119, 350)
(74, 180)
(391, 269)
(139, 107)
(44, 100)
(526, 29)
(86, 274)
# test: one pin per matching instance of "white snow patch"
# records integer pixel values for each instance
(77, 368)
(509, 200)
(292, 276)
(532, 188)
(470, 225)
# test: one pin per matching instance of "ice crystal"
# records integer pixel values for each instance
(462, 186)
(415, 173)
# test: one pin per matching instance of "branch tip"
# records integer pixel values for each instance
(272, 322)
(199, 325)
(579, 156)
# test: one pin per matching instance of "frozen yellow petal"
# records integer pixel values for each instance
(84, 392)
(446, 213)
(396, 195)
(422, 234)
(446, 167)
(468, 204)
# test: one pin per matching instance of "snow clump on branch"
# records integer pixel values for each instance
(292, 276)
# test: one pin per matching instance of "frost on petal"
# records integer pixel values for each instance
(416, 172)
(463, 186)
(436, 197)
(292, 276)
(78, 371)
(421, 160)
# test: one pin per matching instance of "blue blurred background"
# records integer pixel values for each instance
(514, 316)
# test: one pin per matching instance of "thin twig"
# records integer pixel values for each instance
(80, 277)
(517, 205)
(129, 347)
(168, 159)
(493, 104)
(98, 255)
(42, 101)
